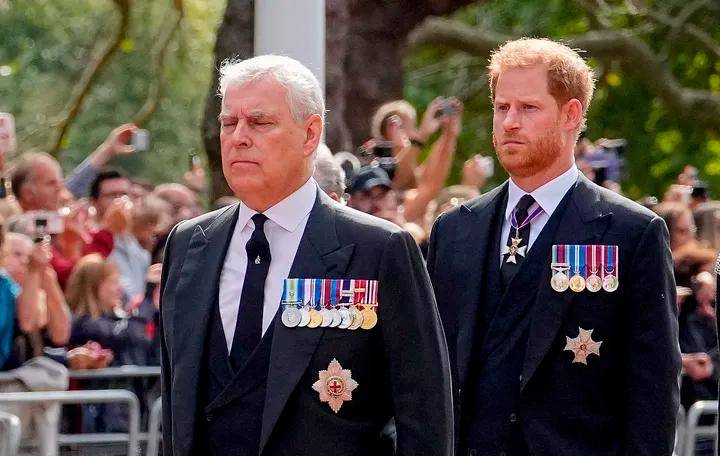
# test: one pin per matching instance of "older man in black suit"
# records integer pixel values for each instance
(557, 296)
(244, 371)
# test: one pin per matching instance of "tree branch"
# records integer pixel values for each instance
(90, 75)
(635, 57)
(167, 31)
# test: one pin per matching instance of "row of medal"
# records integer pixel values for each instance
(584, 267)
(330, 303)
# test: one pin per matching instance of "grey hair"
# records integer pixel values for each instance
(305, 96)
(328, 173)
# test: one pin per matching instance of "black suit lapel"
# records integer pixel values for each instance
(471, 254)
(584, 222)
(197, 293)
(320, 255)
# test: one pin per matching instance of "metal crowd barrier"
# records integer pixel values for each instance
(153, 435)
(112, 373)
(88, 397)
(694, 429)
(10, 431)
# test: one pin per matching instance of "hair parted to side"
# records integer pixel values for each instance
(569, 76)
(305, 96)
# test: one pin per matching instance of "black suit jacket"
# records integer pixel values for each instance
(623, 402)
(401, 365)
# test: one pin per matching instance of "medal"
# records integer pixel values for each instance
(369, 312)
(610, 280)
(582, 346)
(305, 309)
(324, 303)
(593, 282)
(315, 315)
(515, 247)
(357, 318)
(332, 286)
(559, 281)
(577, 282)
(346, 318)
(335, 385)
(291, 315)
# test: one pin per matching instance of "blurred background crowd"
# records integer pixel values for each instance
(82, 254)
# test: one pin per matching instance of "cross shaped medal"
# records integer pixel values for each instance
(514, 248)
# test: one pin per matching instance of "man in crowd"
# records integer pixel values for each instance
(556, 295)
(240, 379)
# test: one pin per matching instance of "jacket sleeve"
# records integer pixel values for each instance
(653, 358)
(166, 372)
(415, 350)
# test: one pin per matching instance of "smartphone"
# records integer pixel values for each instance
(446, 110)
(43, 223)
(7, 133)
(141, 140)
(194, 161)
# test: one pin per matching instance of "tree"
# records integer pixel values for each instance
(660, 92)
(365, 45)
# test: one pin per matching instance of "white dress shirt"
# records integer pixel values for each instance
(548, 196)
(283, 229)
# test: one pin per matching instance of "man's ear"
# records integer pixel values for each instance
(313, 133)
(573, 114)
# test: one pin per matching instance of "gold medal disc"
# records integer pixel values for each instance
(369, 319)
(577, 283)
(315, 319)
(357, 318)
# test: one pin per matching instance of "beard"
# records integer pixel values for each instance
(531, 157)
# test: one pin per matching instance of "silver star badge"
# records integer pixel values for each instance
(514, 249)
(582, 345)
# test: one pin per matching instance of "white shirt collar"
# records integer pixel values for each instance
(548, 196)
(289, 212)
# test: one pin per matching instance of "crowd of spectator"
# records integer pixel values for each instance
(81, 262)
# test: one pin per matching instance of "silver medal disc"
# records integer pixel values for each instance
(560, 282)
(336, 318)
(326, 318)
(291, 317)
(304, 317)
(594, 283)
(610, 283)
(346, 318)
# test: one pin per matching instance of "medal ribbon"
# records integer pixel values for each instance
(581, 261)
(610, 259)
(360, 290)
(616, 261)
(372, 295)
(318, 289)
(308, 285)
(334, 292)
(327, 294)
(528, 219)
(285, 289)
(299, 293)
(346, 289)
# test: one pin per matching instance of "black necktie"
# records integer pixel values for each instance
(248, 328)
(519, 248)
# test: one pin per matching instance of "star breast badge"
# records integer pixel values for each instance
(335, 385)
(582, 346)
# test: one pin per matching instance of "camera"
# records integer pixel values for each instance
(446, 110)
(380, 154)
(140, 140)
(40, 225)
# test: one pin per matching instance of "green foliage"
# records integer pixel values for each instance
(660, 141)
(46, 45)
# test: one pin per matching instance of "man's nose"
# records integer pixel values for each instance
(240, 136)
(511, 120)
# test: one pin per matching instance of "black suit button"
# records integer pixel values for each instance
(472, 452)
(502, 453)
(521, 379)
(513, 418)
(209, 417)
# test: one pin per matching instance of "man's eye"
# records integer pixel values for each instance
(529, 107)
(229, 124)
(501, 107)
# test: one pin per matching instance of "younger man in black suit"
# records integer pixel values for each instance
(557, 296)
